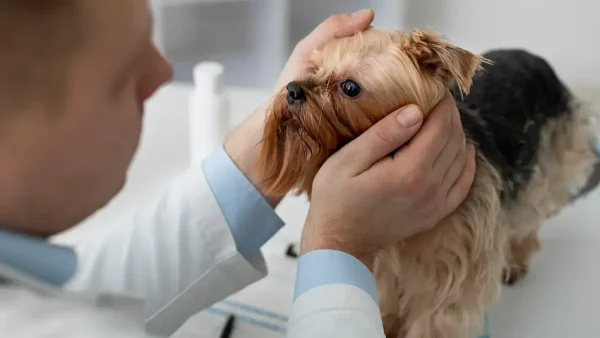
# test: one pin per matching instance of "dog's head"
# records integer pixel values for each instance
(354, 82)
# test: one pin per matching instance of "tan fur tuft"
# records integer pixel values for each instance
(440, 59)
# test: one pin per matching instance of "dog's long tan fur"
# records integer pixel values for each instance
(435, 284)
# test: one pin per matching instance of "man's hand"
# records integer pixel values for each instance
(364, 200)
(336, 26)
(241, 144)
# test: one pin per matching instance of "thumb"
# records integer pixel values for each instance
(356, 22)
(382, 139)
(339, 26)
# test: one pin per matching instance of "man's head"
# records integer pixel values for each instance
(74, 75)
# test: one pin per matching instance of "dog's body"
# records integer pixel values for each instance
(534, 155)
(509, 106)
(535, 133)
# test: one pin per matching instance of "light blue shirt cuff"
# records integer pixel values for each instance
(251, 219)
(34, 256)
(325, 267)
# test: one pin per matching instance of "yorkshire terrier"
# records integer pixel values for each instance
(534, 145)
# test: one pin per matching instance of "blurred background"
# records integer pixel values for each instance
(253, 38)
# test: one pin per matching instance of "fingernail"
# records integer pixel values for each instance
(409, 116)
(361, 13)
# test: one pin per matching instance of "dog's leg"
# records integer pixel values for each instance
(438, 283)
(521, 252)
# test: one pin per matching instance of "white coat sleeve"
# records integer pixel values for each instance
(194, 245)
(335, 298)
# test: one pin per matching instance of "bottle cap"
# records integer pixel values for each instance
(208, 76)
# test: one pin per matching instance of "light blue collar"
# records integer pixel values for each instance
(36, 257)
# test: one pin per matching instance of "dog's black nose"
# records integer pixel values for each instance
(295, 93)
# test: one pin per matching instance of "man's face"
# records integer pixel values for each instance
(76, 159)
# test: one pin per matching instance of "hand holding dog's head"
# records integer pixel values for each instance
(354, 82)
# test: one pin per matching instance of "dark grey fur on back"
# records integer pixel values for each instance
(509, 104)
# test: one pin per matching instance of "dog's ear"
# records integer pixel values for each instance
(434, 56)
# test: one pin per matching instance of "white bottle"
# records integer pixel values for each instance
(209, 111)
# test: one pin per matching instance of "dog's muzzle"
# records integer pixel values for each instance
(295, 93)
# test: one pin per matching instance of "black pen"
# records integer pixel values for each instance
(291, 251)
(228, 329)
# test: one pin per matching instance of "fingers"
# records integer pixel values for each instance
(453, 147)
(434, 135)
(460, 189)
(380, 140)
(336, 26)
(340, 25)
(455, 168)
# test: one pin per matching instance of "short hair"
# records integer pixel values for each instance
(37, 40)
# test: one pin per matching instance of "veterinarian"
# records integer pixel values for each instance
(74, 76)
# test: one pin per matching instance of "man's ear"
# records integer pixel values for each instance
(434, 56)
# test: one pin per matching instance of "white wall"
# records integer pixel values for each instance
(240, 33)
(565, 32)
(248, 36)
(307, 14)
(252, 38)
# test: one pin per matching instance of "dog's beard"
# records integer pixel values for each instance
(297, 140)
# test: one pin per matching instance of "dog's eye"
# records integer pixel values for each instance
(350, 88)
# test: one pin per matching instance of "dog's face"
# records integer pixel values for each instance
(354, 82)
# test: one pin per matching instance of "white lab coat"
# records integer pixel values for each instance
(160, 266)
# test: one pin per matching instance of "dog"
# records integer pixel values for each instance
(534, 154)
